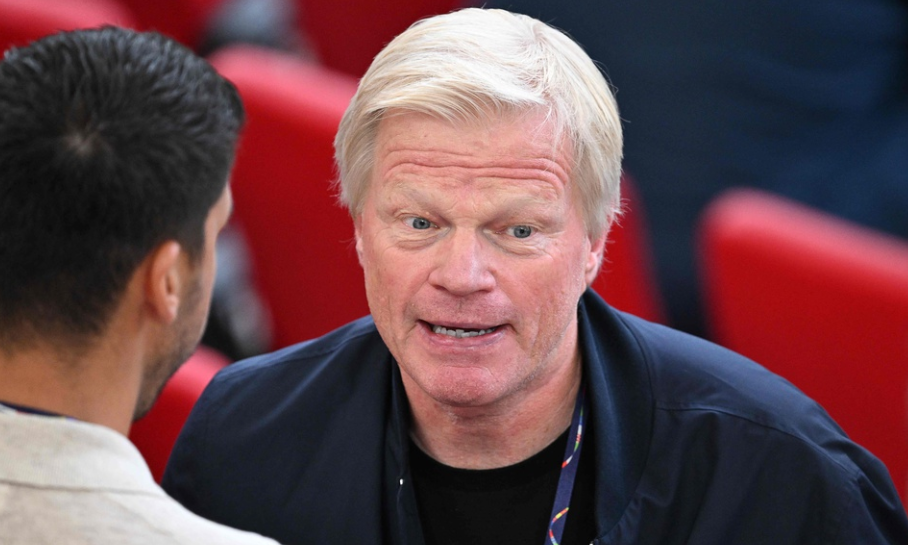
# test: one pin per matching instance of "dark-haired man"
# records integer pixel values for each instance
(115, 150)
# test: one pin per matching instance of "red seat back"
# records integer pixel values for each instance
(347, 35)
(627, 280)
(182, 20)
(155, 434)
(820, 301)
(301, 240)
(23, 21)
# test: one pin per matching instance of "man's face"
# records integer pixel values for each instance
(187, 329)
(475, 255)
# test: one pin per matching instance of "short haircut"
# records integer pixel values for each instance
(111, 143)
(477, 64)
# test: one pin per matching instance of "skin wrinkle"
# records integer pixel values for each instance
(436, 158)
(558, 159)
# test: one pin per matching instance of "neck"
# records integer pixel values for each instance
(492, 437)
(91, 387)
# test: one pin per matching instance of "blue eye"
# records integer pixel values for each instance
(521, 231)
(419, 223)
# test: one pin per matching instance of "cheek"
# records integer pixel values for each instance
(563, 277)
(209, 274)
(551, 293)
(556, 296)
(385, 276)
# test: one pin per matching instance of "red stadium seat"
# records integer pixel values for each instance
(182, 20)
(627, 280)
(301, 240)
(155, 434)
(820, 301)
(347, 35)
(23, 21)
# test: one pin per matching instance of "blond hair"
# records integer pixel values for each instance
(477, 64)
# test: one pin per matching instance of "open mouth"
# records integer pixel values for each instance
(459, 333)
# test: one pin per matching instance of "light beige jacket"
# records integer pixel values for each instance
(74, 483)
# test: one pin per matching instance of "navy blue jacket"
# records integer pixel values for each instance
(692, 444)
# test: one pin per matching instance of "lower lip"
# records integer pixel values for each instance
(448, 341)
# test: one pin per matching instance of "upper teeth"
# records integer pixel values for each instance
(460, 333)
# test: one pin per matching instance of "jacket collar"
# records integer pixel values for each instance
(621, 406)
(621, 419)
(45, 451)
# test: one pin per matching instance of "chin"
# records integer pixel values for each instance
(464, 387)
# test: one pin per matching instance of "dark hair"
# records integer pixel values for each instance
(111, 142)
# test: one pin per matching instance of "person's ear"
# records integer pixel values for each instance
(164, 280)
(594, 258)
(358, 236)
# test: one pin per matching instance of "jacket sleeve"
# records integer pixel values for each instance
(876, 515)
(184, 475)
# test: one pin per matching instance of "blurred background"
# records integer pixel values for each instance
(765, 179)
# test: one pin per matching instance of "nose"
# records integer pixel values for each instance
(463, 265)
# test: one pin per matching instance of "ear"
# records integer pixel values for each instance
(358, 236)
(594, 259)
(164, 280)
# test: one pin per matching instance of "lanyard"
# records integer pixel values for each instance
(562, 504)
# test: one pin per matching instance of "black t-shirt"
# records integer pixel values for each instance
(505, 505)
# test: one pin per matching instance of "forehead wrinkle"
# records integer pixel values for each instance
(483, 158)
(483, 176)
(439, 157)
(497, 198)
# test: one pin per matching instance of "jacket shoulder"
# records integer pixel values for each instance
(688, 373)
(275, 432)
(341, 347)
(731, 441)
